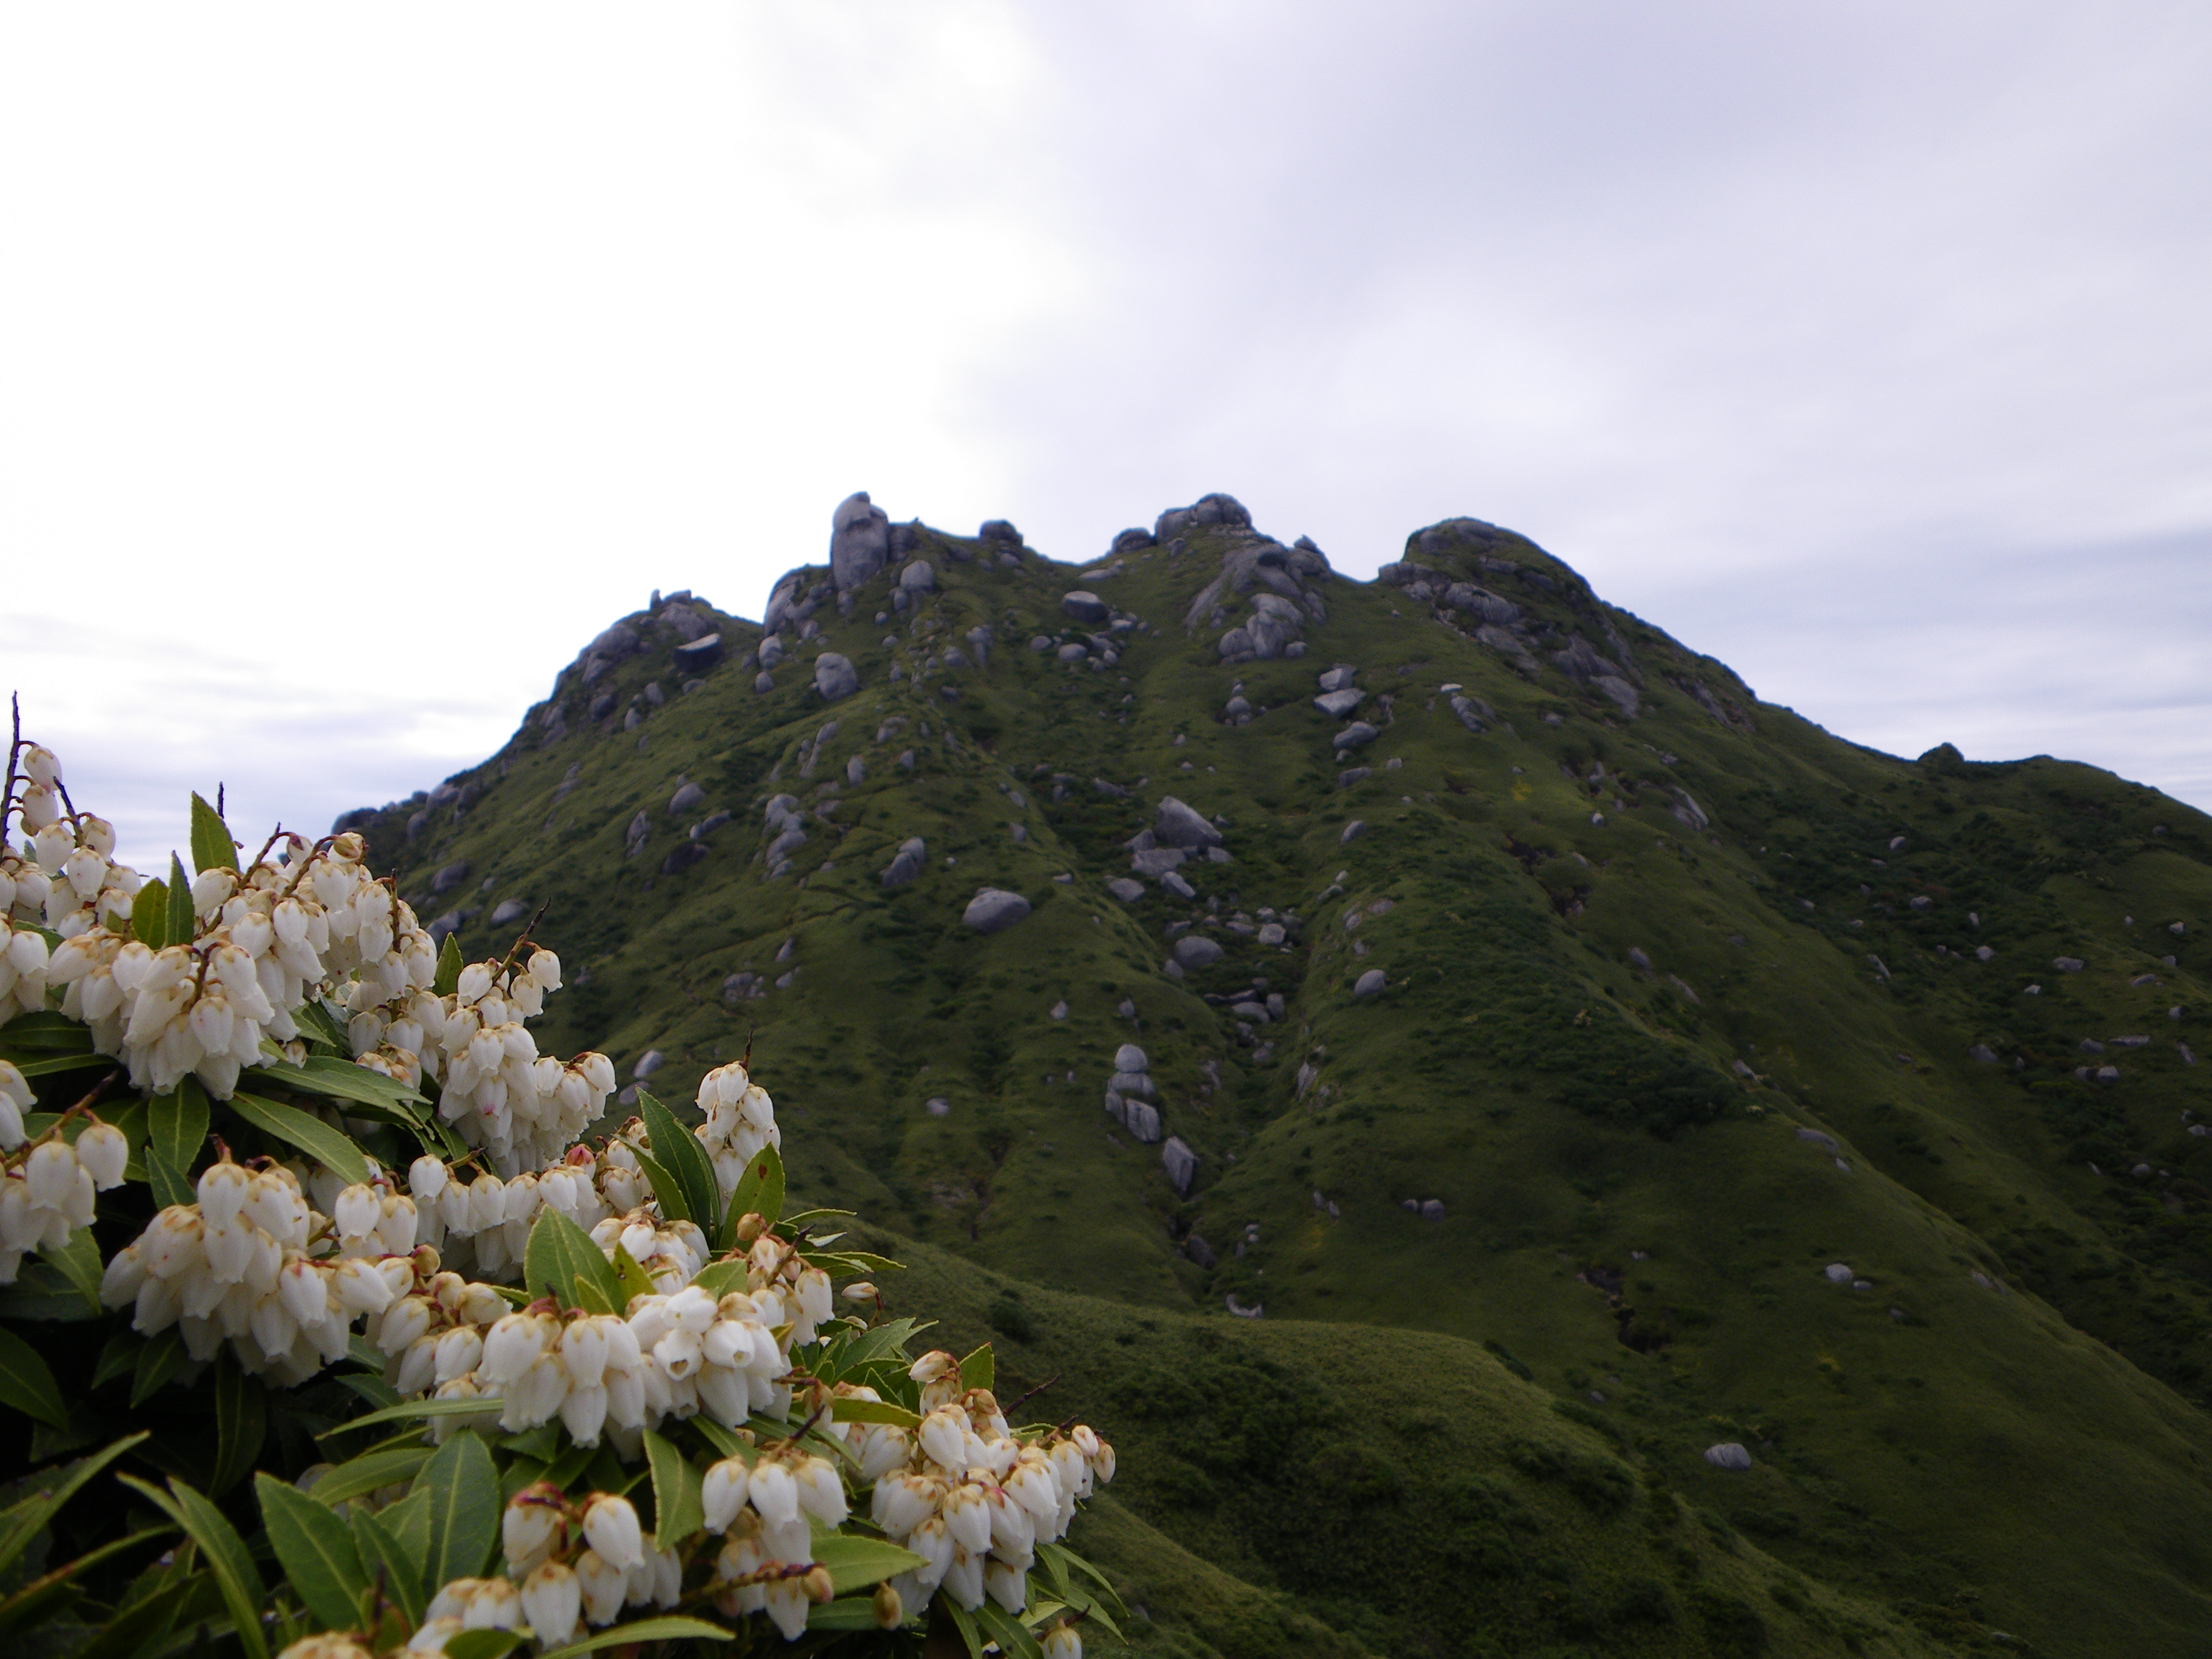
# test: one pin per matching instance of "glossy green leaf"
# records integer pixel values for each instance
(53, 1064)
(645, 1630)
(1013, 1637)
(725, 1441)
(226, 1556)
(370, 1472)
(45, 1029)
(847, 1612)
(408, 1521)
(141, 1628)
(162, 1358)
(332, 1148)
(677, 1508)
(27, 1382)
(964, 1622)
(465, 1506)
(170, 1187)
(341, 1079)
(179, 924)
(316, 1550)
(177, 1128)
(27, 1519)
(759, 1191)
(242, 1422)
(874, 1411)
(212, 847)
(318, 1024)
(977, 1370)
(149, 914)
(856, 1561)
(719, 1278)
(560, 1253)
(449, 980)
(634, 1278)
(675, 1202)
(806, 1218)
(385, 1558)
(678, 1152)
(412, 1408)
(482, 1644)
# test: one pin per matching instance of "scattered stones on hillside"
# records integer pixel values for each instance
(906, 864)
(1638, 958)
(1728, 1454)
(1177, 825)
(1371, 983)
(1173, 881)
(937, 1106)
(1352, 831)
(1819, 1137)
(507, 910)
(2067, 964)
(1353, 735)
(994, 910)
(860, 541)
(647, 1063)
(1128, 892)
(1179, 1163)
(685, 798)
(1838, 1272)
(1339, 705)
(1086, 607)
(1337, 679)
(450, 875)
(1196, 951)
(834, 677)
(634, 838)
(1351, 775)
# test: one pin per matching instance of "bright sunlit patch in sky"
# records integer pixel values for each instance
(355, 368)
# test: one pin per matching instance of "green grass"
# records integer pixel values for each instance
(1625, 1212)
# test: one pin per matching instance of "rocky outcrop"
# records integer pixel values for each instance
(860, 541)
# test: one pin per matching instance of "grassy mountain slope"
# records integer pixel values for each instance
(1680, 1009)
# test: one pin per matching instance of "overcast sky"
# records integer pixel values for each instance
(358, 364)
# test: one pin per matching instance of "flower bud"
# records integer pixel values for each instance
(932, 1365)
(1062, 1642)
(750, 1226)
(610, 1526)
(605, 1586)
(533, 1527)
(890, 1611)
(723, 1492)
(552, 1603)
(103, 1151)
(859, 1290)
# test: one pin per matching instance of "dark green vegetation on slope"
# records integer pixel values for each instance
(2004, 1431)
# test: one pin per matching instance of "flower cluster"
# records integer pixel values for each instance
(570, 1563)
(67, 882)
(48, 1190)
(970, 1497)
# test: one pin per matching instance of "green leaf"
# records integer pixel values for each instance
(559, 1254)
(162, 1358)
(759, 1191)
(635, 1280)
(168, 1183)
(449, 968)
(856, 1561)
(407, 1409)
(149, 914)
(212, 848)
(465, 1505)
(26, 1520)
(725, 1441)
(1013, 1637)
(719, 1278)
(141, 1628)
(678, 1152)
(589, 1295)
(370, 1472)
(874, 1411)
(31, 1605)
(645, 1630)
(177, 1129)
(79, 1262)
(382, 1555)
(408, 1521)
(677, 1508)
(675, 1202)
(329, 1147)
(242, 1422)
(53, 1064)
(321, 1025)
(482, 1644)
(316, 1550)
(847, 1612)
(118, 1356)
(178, 922)
(806, 1218)
(47, 1029)
(341, 1079)
(977, 1368)
(27, 1382)
(228, 1558)
(964, 1622)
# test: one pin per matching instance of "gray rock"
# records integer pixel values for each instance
(856, 770)
(1130, 1058)
(685, 798)
(1177, 825)
(1196, 951)
(1086, 607)
(2067, 964)
(1371, 983)
(1239, 708)
(655, 695)
(682, 856)
(1131, 1083)
(1482, 604)
(640, 828)
(1473, 713)
(1432, 1209)
(905, 760)
(1175, 884)
(907, 864)
(860, 541)
(647, 1063)
(919, 577)
(994, 910)
(1351, 775)
(1200, 1252)
(1156, 862)
(763, 681)
(1143, 1121)
(1688, 812)
(450, 875)
(1352, 831)
(1179, 1162)
(771, 650)
(1838, 1272)
(834, 677)
(1060, 1009)
(1983, 953)
(1983, 1053)
(1728, 1454)
(937, 1106)
(1339, 705)
(1638, 958)
(696, 656)
(1271, 934)
(1353, 735)
(1254, 1012)
(1337, 679)
(508, 910)
(1815, 1136)
(1041, 643)
(1125, 890)
(998, 530)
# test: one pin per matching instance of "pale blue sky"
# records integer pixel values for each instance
(356, 366)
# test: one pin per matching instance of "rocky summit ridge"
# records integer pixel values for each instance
(1609, 1166)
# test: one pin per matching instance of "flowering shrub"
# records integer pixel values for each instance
(300, 1186)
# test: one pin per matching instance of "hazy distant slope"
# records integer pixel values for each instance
(1650, 983)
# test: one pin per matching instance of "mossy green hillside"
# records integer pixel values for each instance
(1680, 1010)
